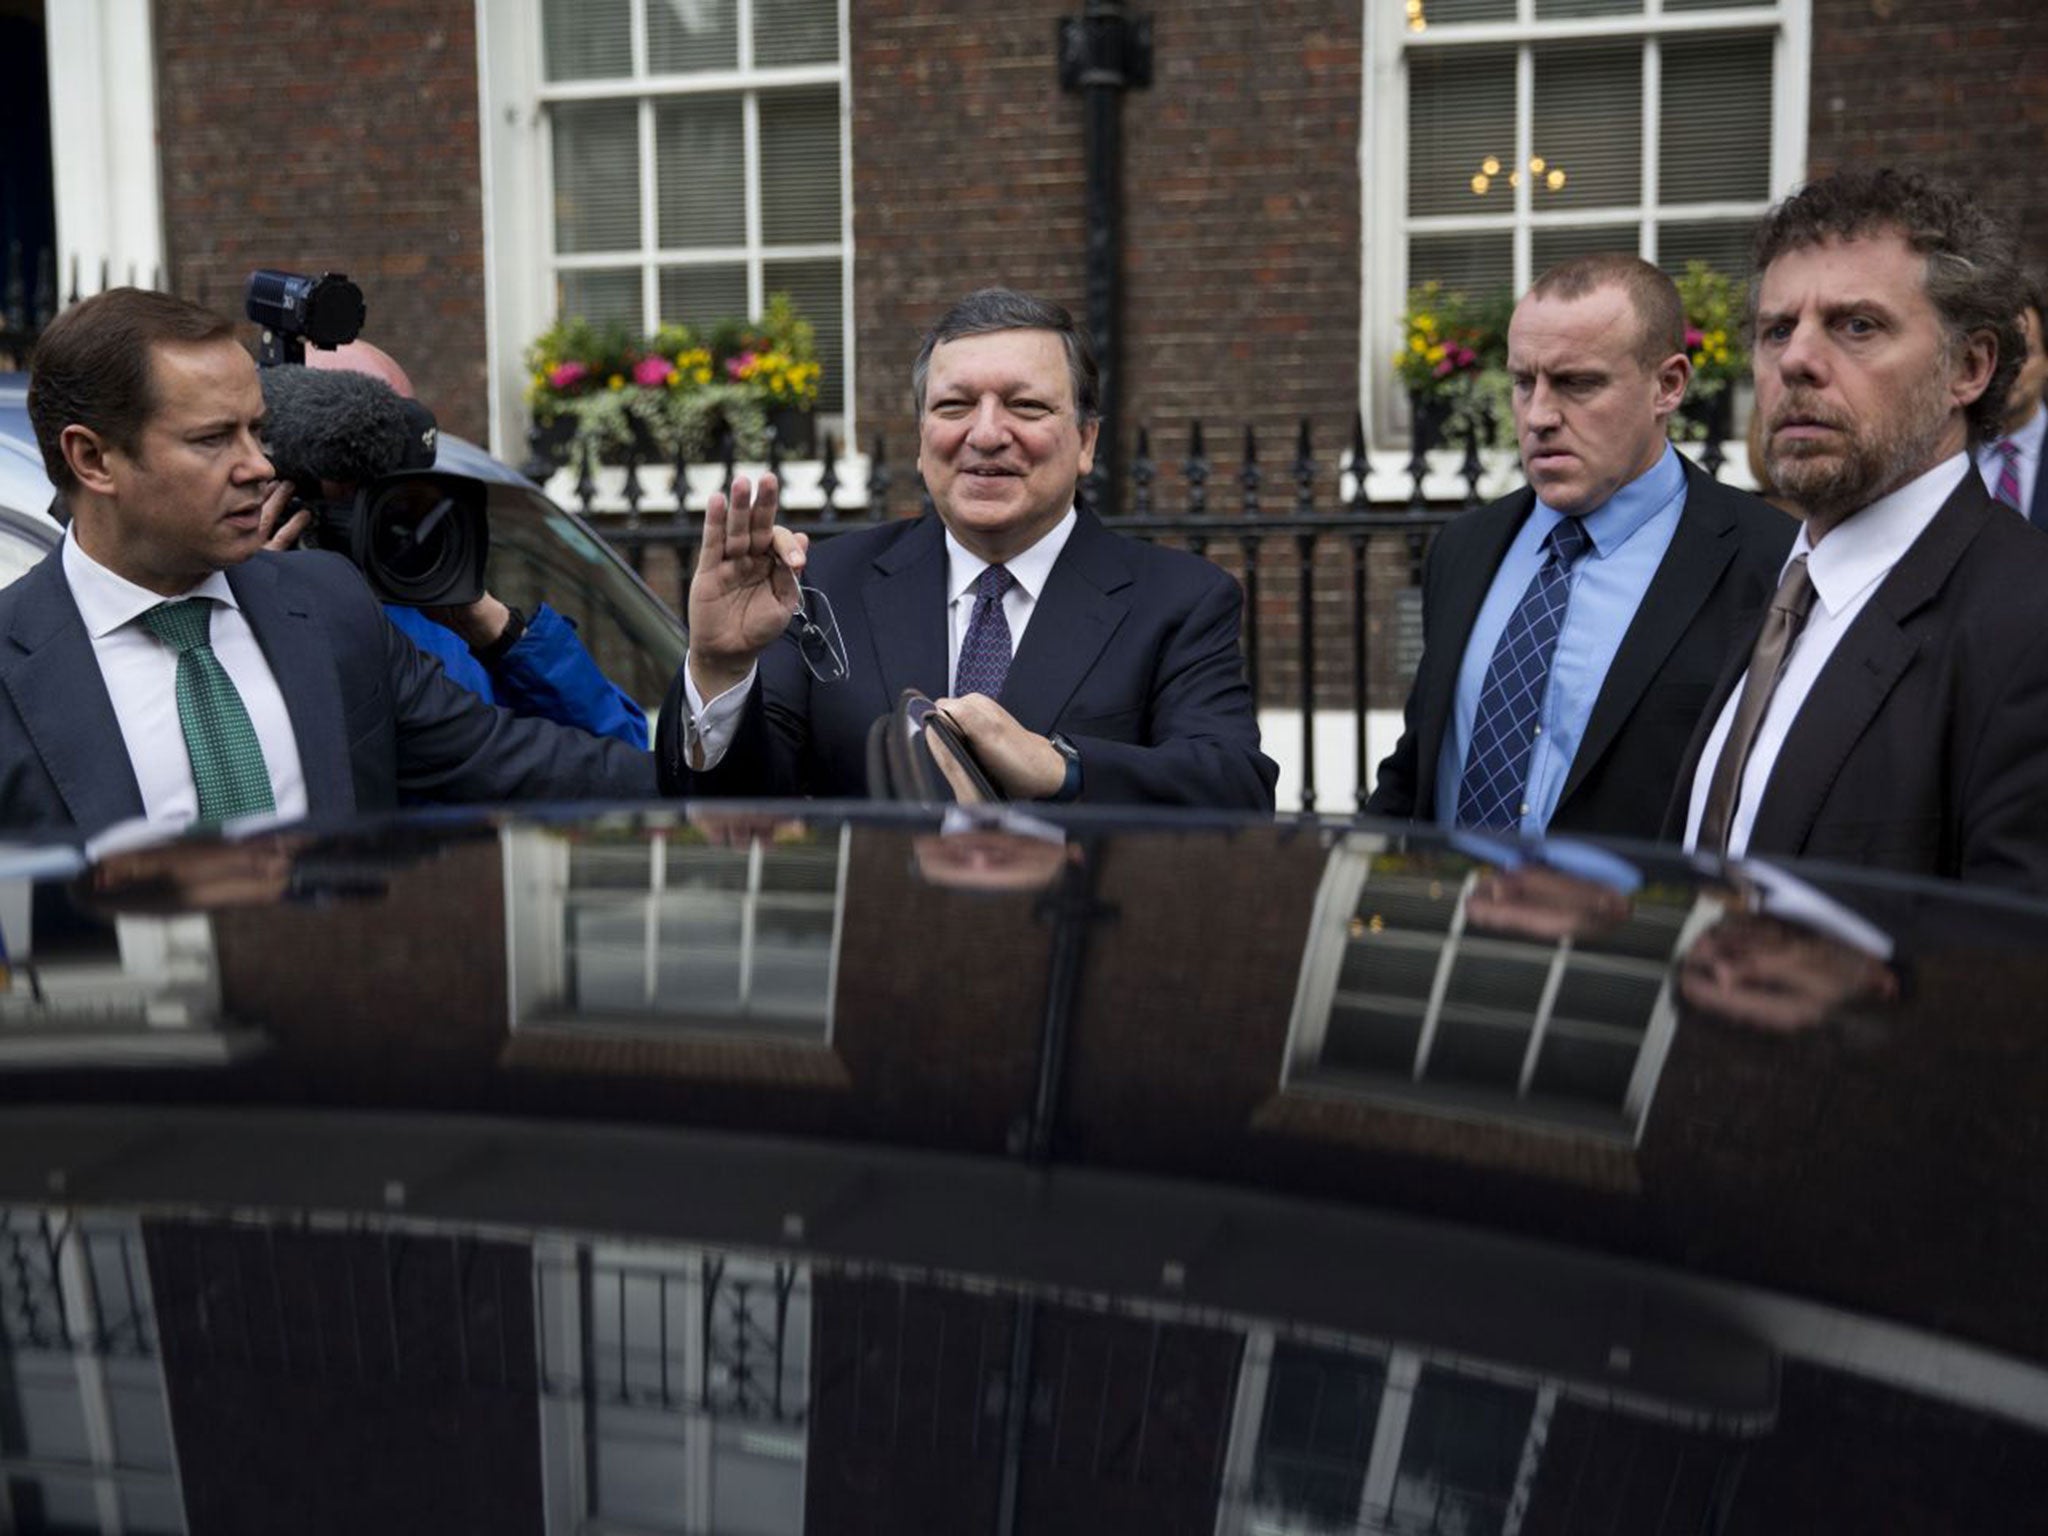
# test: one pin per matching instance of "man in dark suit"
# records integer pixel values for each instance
(1079, 664)
(1893, 709)
(2010, 461)
(159, 665)
(1573, 630)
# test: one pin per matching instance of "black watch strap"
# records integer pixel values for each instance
(1071, 789)
(515, 627)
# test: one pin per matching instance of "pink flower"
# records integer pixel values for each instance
(739, 367)
(567, 376)
(1445, 368)
(1693, 337)
(651, 372)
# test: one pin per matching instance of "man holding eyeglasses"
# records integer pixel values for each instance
(1078, 664)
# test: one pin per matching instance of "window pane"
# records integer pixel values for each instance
(1441, 13)
(1584, 1071)
(800, 167)
(1461, 1453)
(1722, 245)
(1547, 247)
(1513, 984)
(797, 31)
(1373, 1040)
(1588, 118)
(700, 176)
(597, 176)
(1712, 5)
(609, 300)
(1316, 1435)
(586, 39)
(683, 35)
(700, 296)
(1565, 10)
(815, 286)
(1716, 139)
(1461, 112)
(1485, 1055)
(1477, 265)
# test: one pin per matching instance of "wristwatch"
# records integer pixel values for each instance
(1071, 788)
(515, 626)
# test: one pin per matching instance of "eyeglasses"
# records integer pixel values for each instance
(816, 633)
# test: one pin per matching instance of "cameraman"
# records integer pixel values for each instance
(531, 665)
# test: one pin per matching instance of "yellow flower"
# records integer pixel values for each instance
(616, 381)
(674, 378)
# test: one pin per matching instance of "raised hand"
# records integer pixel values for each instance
(744, 589)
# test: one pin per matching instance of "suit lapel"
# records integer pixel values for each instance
(301, 658)
(1071, 621)
(1465, 586)
(1701, 548)
(1866, 665)
(905, 601)
(62, 699)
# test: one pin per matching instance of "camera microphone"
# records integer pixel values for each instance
(421, 536)
(348, 427)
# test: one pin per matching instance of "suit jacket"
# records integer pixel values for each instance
(1132, 652)
(1720, 570)
(1923, 745)
(373, 716)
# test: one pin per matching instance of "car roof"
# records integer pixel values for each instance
(23, 485)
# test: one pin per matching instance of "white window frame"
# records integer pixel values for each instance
(1383, 153)
(518, 194)
(106, 174)
(1345, 877)
(536, 873)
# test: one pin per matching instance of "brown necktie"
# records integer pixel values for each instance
(1781, 627)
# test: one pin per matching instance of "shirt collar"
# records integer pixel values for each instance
(107, 601)
(1862, 548)
(1029, 569)
(1615, 522)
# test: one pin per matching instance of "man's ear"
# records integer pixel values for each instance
(86, 452)
(1673, 374)
(1089, 434)
(1976, 361)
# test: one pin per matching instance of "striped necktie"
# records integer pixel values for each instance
(2008, 489)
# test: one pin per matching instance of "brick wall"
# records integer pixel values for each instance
(304, 138)
(1240, 192)
(1961, 89)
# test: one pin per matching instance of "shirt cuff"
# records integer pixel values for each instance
(708, 729)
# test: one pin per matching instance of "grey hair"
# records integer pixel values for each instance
(1004, 309)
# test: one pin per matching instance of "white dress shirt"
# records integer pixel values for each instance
(711, 727)
(1991, 463)
(141, 674)
(1846, 568)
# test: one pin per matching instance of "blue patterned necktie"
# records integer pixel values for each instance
(227, 760)
(1493, 793)
(985, 653)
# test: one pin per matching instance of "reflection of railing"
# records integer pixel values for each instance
(34, 1311)
(714, 1337)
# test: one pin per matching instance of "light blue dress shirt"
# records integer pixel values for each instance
(1630, 536)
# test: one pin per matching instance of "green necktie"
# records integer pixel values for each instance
(227, 760)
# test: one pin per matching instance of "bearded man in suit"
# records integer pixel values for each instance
(1892, 708)
(1573, 631)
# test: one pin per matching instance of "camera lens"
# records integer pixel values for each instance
(424, 539)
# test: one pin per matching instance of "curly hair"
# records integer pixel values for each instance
(1973, 274)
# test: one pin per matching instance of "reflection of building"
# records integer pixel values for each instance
(1402, 995)
(325, 1376)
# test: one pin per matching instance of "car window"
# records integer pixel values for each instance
(21, 546)
(539, 553)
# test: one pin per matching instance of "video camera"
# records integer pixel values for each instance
(420, 535)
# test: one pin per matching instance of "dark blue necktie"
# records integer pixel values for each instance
(985, 653)
(1494, 790)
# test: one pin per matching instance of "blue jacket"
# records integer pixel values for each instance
(547, 674)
